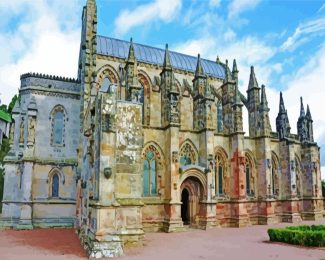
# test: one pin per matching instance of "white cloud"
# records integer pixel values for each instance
(204, 46)
(159, 10)
(303, 33)
(239, 6)
(214, 3)
(46, 39)
(308, 83)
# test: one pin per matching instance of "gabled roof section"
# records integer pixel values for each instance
(118, 48)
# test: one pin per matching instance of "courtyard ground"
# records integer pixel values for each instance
(219, 243)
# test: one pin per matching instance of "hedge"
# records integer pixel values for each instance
(300, 235)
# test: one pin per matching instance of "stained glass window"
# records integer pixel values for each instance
(187, 155)
(248, 178)
(150, 174)
(106, 86)
(219, 175)
(55, 186)
(58, 127)
(219, 117)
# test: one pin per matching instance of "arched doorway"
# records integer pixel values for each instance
(191, 195)
(185, 208)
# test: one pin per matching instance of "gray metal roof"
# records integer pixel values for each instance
(118, 48)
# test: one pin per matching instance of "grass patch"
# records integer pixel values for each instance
(305, 235)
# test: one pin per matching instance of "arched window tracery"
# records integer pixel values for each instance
(220, 168)
(274, 186)
(187, 154)
(250, 175)
(106, 85)
(219, 117)
(152, 164)
(55, 186)
(58, 119)
(298, 170)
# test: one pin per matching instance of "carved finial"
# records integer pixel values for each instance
(252, 79)
(199, 69)
(281, 105)
(234, 67)
(264, 103)
(228, 75)
(131, 56)
(167, 63)
(308, 114)
(302, 109)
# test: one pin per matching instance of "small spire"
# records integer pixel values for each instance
(234, 67)
(199, 69)
(308, 114)
(167, 63)
(302, 109)
(228, 76)
(264, 103)
(281, 105)
(131, 56)
(218, 60)
(237, 97)
(252, 79)
(235, 71)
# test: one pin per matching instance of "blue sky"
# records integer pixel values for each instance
(284, 40)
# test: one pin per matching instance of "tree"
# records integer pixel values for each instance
(5, 147)
(323, 187)
(12, 103)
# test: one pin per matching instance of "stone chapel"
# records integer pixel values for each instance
(148, 140)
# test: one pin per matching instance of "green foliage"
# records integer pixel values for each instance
(313, 235)
(323, 187)
(12, 103)
(3, 107)
(9, 108)
(5, 147)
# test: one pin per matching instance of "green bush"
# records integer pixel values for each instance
(301, 235)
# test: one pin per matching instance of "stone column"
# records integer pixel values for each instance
(26, 214)
(173, 221)
(239, 216)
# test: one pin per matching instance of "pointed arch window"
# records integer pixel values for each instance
(150, 174)
(55, 186)
(58, 126)
(298, 178)
(141, 100)
(274, 185)
(187, 155)
(219, 117)
(273, 180)
(106, 85)
(249, 176)
(219, 172)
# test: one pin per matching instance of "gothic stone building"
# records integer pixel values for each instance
(148, 140)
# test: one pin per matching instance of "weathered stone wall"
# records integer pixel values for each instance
(34, 158)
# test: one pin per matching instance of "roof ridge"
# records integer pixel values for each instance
(154, 47)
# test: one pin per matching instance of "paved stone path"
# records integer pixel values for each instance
(219, 243)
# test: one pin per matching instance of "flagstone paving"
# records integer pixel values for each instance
(219, 243)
